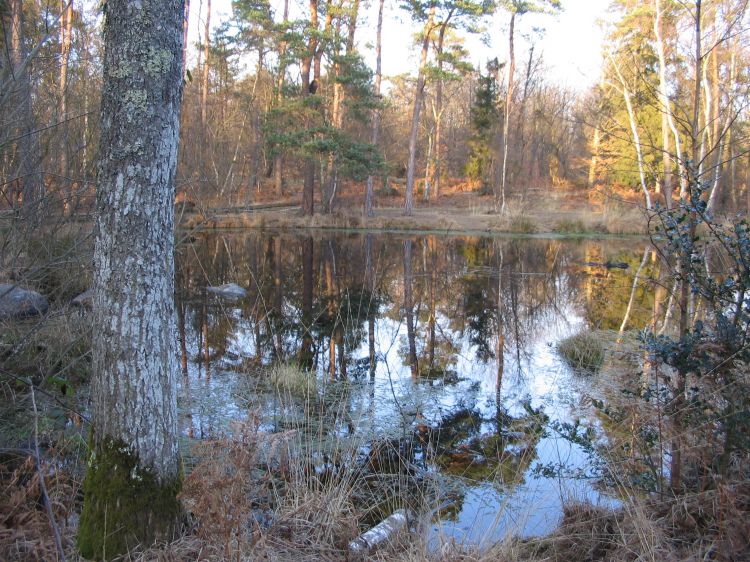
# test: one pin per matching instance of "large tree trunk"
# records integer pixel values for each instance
(369, 192)
(418, 97)
(134, 471)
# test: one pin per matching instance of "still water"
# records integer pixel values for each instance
(436, 350)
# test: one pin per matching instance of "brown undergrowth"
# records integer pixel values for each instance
(244, 505)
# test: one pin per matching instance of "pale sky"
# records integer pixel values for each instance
(571, 41)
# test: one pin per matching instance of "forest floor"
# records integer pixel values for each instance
(540, 211)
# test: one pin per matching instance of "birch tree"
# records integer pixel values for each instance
(134, 471)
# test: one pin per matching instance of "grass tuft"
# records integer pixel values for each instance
(293, 379)
(583, 351)
(522, 224)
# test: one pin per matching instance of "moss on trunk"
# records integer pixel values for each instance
(125, 505)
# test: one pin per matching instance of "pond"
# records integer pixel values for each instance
(438, 351)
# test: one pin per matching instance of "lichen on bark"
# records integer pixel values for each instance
(126, 505)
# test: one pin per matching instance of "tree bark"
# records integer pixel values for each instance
(418, 98)
(369, 190)
(134, 471)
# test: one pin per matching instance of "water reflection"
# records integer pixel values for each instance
(436, 349)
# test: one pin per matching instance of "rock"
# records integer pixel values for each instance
(84, 300)
(16, 302)
(228, 291)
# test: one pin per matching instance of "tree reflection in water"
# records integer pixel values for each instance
(439, 346)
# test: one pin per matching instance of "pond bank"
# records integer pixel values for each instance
(480, 219)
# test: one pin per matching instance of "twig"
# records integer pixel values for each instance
(42, 485)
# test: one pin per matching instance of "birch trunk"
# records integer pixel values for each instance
(134, 471)
(418, 98)
(634, 130)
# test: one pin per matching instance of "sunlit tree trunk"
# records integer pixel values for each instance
(370, 187)
(185, 30)
(506, 113)
(134, 471)
(206, 51)
(437, 165)
(278, 177)
(417, 109)
(66, 31)
(308, 188)
(667, 120)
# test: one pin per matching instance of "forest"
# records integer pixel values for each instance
(264, 296)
